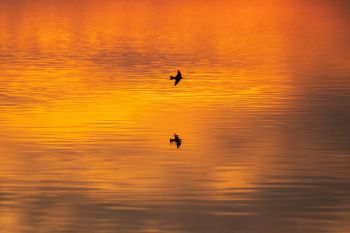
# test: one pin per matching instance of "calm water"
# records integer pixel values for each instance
(87, 110)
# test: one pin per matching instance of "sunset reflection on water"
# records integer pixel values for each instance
(87, 110)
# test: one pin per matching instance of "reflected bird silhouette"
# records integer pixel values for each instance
(177, 78)
(177, 140)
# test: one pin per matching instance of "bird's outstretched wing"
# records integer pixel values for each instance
(177, 81)
(178, 73)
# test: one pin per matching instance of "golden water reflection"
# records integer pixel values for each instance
(87, 111)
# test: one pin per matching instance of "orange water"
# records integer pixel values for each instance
(87, 110)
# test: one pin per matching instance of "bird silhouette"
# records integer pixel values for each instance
(177, 140)
(177, 78)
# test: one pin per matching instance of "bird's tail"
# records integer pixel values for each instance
(172, 140)
(172, 77)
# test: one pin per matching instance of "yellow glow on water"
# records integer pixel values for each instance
(87, 107)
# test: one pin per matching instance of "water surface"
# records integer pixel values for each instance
(87, 110)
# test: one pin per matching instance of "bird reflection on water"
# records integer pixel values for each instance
(176, 140)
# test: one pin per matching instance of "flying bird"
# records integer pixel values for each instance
(177, 140)
(177, 78)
